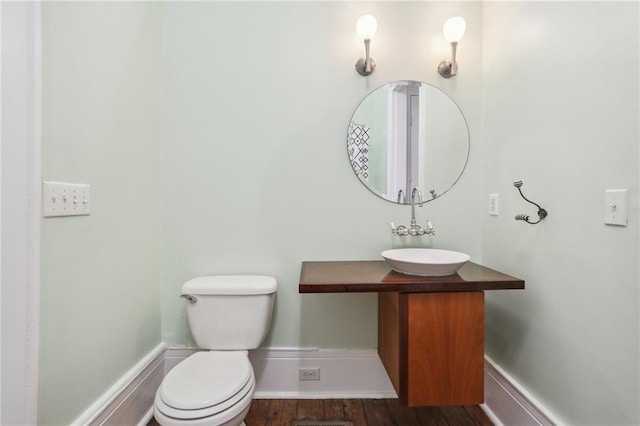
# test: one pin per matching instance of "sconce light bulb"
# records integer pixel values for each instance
(367, 27)
(454, 28)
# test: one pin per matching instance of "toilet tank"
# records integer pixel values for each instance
(230, 312)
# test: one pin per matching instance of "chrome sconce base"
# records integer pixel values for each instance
(447, 68)
(361, 66)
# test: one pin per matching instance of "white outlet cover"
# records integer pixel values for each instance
(65, 199)
(309, 373)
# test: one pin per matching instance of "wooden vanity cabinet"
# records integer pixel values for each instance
(432, 346)
(430, 329)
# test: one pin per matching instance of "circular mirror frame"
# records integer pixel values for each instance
(431, 195)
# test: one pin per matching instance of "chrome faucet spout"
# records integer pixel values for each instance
(415, 191)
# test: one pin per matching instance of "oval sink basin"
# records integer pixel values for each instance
(425, 262)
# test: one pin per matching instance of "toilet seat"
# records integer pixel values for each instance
(206, 384)
(213, 415)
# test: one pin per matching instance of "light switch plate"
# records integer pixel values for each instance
(493, 204)
(65, 199)
(615, 207)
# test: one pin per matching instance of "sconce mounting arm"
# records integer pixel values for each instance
(366, 65)
(449, 67)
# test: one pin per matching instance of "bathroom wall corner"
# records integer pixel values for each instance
(129, 399)
(508, 403)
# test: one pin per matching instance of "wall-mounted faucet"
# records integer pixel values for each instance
(415, 191)
(414, 229)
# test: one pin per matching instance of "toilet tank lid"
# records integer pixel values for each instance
(230, 285)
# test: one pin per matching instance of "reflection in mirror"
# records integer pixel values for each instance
(405, 135)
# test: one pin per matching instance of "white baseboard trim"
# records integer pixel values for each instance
(146, 418)
(507, 403)
(174, 355)
(120, 397)
(344, 373)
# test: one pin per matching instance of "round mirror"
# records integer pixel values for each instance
(406, 135)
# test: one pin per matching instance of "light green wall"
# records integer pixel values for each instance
(256, 178)
(562, 114)
(252, 173)
(100, 301)
(252, 177)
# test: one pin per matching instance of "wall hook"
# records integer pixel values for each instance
(542, 213)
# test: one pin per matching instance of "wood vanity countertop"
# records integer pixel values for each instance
(373, 276)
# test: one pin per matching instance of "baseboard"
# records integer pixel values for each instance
(173, 356)
(507, 403)
(343, 374)
(128, 400)
(146, 418)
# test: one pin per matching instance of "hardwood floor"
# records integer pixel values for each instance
(359, 412)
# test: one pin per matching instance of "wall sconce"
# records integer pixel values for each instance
(366, 28)
(453, 31)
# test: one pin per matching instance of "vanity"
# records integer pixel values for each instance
(430, 329)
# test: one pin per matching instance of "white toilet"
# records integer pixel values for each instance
(228, 315)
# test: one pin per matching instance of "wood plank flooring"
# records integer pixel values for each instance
(360, 412)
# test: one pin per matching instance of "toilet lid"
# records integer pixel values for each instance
(222, 412)
(206, 379)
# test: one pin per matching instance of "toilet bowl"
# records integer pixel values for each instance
(227, 315)
(208, 388)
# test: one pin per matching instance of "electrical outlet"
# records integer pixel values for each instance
(309, 373)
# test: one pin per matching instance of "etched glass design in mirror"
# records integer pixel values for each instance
(405, 135)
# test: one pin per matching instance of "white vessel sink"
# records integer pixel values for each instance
(425, 262)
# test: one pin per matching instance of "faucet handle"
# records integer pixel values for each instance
(430, 229)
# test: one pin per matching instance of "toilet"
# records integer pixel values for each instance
(228, 315)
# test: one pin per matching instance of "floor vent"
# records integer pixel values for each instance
(321, 423)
